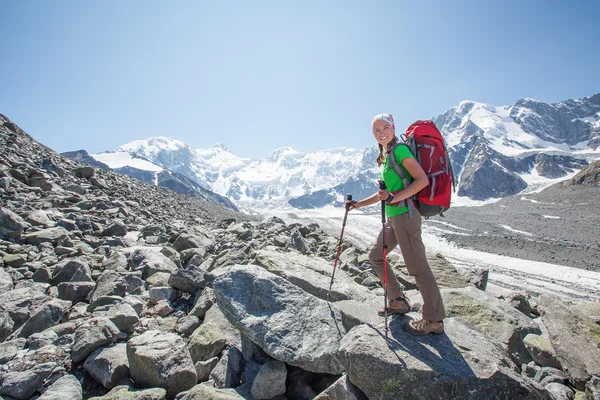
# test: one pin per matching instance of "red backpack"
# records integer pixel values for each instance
(427, 145)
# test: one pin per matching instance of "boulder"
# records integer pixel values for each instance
(125, 392)
(108, 365)
(158, 359)
(291, 325)
(575, 338)
(66, 387)
(12, 226)
(270, 381)
(494, 317)
(463, 362)
(22, 385)
(91, 335)
(311, 274)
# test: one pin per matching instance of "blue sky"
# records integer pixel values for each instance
(259, 75)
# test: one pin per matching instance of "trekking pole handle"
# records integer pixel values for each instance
(382, 187)
(349, 198)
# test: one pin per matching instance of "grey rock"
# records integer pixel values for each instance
(39, 340)
(22, 385)
(228, 372)
(216, 317)
(6, 281)
(42, 275)
(158, 293)
(9, 349)
(204, 392)
(46, 316)
(253, 352)
(85, 172)
(288, 323)
(342, 389)
(72, 271)
(206, 342)
(519, 301)
(186, 241)
(311, 274)
(530, 370)
(55, 236)
(110, 283)
(463, 361)
(136, 302)
(251, 369)
(22, 303)
(75, 189)
(14, 260)
(124, 317)
(592, 389)
(66, 387)
(150, 262)
(547, 375)
(559, 391)
(159, 359)
(187, 280)
(203, 303)
(11, 225)
(187, 325)
(158, 279)
(75, 291)
(117, 228)
(575, 339)
(204, 368)
(270, 381)
(108, 365)
(68, 224)
(124, 392)
(541, 351)
(494, 317)
(91, 335)
(39, 218)
(115, 261)
(299, 243)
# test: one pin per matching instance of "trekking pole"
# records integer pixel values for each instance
(385, 302)
(339, 247)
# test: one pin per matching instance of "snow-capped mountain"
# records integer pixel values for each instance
(500, 151)
(283, 174)
(495, 151)
(144, 170)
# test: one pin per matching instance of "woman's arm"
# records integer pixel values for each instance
(419, 180)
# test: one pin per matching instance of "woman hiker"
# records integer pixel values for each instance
(404, 231)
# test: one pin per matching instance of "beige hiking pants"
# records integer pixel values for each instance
(406, 232)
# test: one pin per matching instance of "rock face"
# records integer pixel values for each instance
(462, 362)
(589, 176)
(289, 324)
(575, 338)
(162, 360)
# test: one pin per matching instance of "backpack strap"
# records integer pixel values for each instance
(394, 165)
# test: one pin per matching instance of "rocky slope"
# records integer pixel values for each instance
(114, 289)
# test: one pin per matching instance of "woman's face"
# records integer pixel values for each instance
(383, 132)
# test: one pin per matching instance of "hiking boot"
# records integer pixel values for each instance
(399, 306)
(422, 327)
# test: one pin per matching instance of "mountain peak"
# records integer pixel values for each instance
(220, 146)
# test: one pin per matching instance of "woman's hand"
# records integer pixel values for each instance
(383, 195)
(351, 205)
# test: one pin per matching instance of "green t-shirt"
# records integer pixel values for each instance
(392, 180)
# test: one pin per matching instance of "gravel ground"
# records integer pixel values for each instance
(560, 225)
